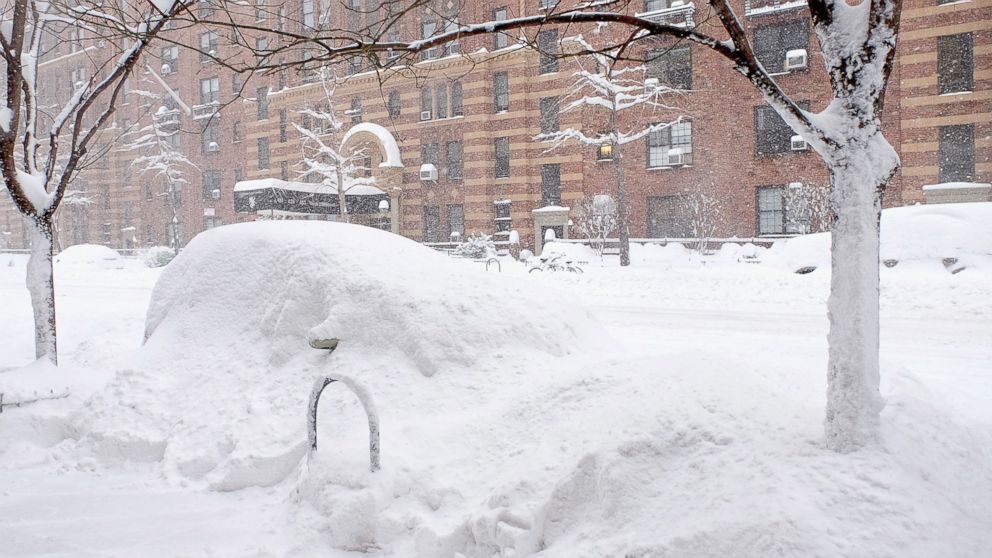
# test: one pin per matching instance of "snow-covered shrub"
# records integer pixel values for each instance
(477, 247)
(158, 256)
(598, 218)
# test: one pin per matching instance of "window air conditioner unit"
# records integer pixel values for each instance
(215, 194)
(674, 157)
(799, 144)
(166, 69)
(428, 172)
(425, 115)
(651, 84)
(212, 146)
(796, 59)
(677, 4)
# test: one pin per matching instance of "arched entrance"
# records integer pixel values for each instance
(389, 172)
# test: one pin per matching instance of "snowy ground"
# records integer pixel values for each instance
(699, 436)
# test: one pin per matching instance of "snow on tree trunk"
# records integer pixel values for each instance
(40, 282)
(853, 399)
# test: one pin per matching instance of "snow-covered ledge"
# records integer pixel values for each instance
(957, 192)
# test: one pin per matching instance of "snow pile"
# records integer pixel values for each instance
(158, 256)
(92, 255)
(922, 233)
(219, 391)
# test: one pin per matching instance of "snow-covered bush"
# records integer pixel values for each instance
(477, 247)
(158, 256)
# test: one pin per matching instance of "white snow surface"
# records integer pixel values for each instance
(88, 255)
(695, 431)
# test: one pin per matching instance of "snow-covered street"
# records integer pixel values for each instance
(695, 431)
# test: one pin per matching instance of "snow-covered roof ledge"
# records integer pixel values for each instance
(957, 192)
(391, 150)
(956, 186)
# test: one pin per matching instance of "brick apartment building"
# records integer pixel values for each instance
(463, 122)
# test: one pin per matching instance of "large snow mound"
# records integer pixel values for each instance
(219, 391)
(278, 284)
(88, 255)
(921, 233)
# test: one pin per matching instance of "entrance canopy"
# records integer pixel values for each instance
(271, 194)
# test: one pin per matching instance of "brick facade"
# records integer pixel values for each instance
(129, 210)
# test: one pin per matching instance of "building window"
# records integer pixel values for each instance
(208, 46)
(263, 153)
(456, 221)
(666, 217)
(771, 42)
(457, 99)
(170, 60)
(356, 110)
(282, 126)
(281, 21)
(261, 49)
(308, 14)
(502, 157)
(772, 134)
(670, 146)
(547, 4)
(204, 8)
(604, 152)
(75, 39)
(211, 184)
(501, 92)
(237, 83)
(771, 210)
(655, 5)
(237, 132)
(502, 39)
(957, 153)
(262, 98)
(503, 220)
(955, 63)
(429, 154)
(426, 103)
(209, 91)
(427, 29)
(671, 67)
(451, 47)
(394, 104)
(550, 119)
(284, 170)
(210, 137)
(547, 44)
(441, 101)
(354, 64)
(432, 223)
(551, 184)
(260, 9)
(454, 151)
(211, 223)
(148, 192)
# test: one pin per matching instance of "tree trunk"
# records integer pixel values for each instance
(41, 286)
(853, 399)
(623, 206)
(342, 197)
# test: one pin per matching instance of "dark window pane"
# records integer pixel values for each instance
(955, 63)
(547, 44)
(671, 67)
(550, 121)
(432, 223)
(957, 153)
(502, 157)
(501, 92)
(453, 151)
(666, 218)
(551, 184)
(771, 210)
(771, 42)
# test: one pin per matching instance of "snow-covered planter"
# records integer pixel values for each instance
(158, 256)
(477, 247)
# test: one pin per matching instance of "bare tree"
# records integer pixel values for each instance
(701, 212)
(598, 218)
(614, 91)
(323, 153)
(163, 159)
(33, 141)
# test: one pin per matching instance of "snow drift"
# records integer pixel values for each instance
(220, 389)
